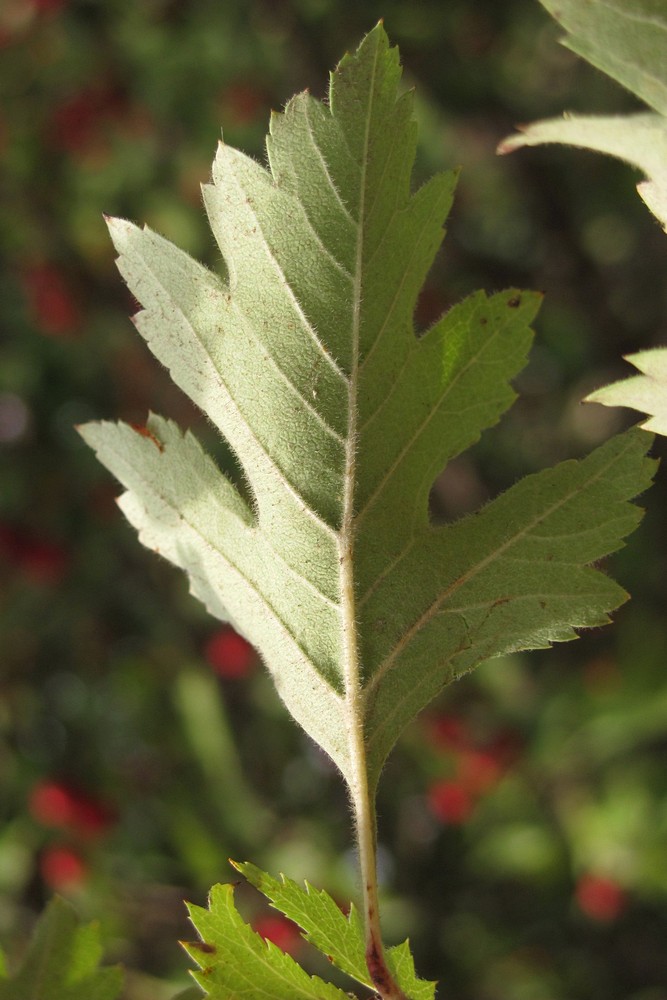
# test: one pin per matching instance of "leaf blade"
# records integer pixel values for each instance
(511, 582)
(62, 962)
(626, 41)
(338, 936)
(646, 392)
(236, 963)
(640, 140)
(340, 417)
(324, 924)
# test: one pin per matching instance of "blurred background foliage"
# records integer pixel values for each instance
(523, 819)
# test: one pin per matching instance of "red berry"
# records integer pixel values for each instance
(450, 802)
(42, 561)
(478, 770)
(448, 732)
(53, 305)
(51, 804)
(62, 869)
(600, 898)
(229, 654)
(91, 818)
(54, 804)
(78, 122)
(281, 931)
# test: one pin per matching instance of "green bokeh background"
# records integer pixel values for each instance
(105, 686)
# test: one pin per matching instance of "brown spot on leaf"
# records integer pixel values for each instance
(208, 949)
(145, 432)
(514, 302)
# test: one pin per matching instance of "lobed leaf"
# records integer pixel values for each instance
(325, 926)
(62, 962)
(646, 392)
(236, 963)
(305, 356)
(627, 39)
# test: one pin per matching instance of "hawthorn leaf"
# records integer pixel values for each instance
(62, 962)
(236, 962)
(646, 392)
(304, 355)
(627, 39)
(337, 935)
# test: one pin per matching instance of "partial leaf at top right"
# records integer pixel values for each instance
(646, 392)
(627, 39)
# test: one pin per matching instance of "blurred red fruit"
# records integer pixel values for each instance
(78, 122)
(56, 805)
(62, 869)
(42, 561)
(600, 898)
(229, 654)
(91, 818)
(51, 300)
(448, 732)
(51, 804)
(281, 931)
(450, 802)
(478, 770)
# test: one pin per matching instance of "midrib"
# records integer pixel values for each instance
(357, 777)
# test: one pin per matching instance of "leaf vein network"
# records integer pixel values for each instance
(307, 325)
(327, 172)
(473, 571)
(250, 329)
(222, 383)
(432, 412)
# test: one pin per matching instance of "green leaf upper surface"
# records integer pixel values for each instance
(236, 963)
(62, 962)
(338, 936)
(306, 359)
(324, 924)
(627, 39)
(646, 393)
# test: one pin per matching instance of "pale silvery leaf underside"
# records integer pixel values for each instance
(304, 355)
(646, 392)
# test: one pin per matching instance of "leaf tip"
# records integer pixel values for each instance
(115, 224)
(512, 142)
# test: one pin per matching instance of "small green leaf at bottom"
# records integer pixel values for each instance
(338, 936)
(236, 963)
(62, 962)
